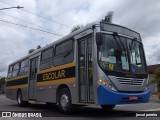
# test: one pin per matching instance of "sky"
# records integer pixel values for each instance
(142, 16)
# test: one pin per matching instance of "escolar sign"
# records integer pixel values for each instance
(54, 75)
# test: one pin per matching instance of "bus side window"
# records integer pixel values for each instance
(67, 51)
(24, 67)
(10, 71)
(15, 70)
(64, 53)
(46, 59)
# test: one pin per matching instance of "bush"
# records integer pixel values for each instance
(2, 82)
(157, 80)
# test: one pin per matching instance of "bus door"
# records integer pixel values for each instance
(33, 77)
(85, 69)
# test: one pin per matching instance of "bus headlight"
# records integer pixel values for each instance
(106, 83)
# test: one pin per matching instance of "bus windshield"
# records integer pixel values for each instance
(121, 54)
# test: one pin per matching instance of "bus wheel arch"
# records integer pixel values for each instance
(20, 101)
(59, 88)
(18, 90)
(64, 99)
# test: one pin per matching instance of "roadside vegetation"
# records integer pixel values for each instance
(2, 82)
(107, 18)
(157, 82)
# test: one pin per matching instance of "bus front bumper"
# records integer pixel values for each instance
(108, 97)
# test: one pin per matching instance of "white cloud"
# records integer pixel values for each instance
(142, 16)
(152, 49)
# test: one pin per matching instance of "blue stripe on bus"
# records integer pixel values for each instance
(108, 97)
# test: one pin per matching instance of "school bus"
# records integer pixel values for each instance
(102, 64)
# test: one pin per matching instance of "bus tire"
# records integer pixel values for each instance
(50, 104)
(64, 101)
(20, 101)
(107, 107)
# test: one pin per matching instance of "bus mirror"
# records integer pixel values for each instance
(98, 39)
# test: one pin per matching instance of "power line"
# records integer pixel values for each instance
(38, 15)
(25, 26)
(21, 20)
(6, 3)
(46, 18)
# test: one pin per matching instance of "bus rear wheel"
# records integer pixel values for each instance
(50, 104)
(64, 101)
(107, 107)
(20, 101)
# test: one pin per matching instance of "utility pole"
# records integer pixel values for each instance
(18, 7)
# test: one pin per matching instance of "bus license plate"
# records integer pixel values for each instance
(133, 98)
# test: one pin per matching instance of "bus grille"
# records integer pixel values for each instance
(130, 81)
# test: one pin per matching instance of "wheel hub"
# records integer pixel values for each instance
(64, 101)
(19, 99)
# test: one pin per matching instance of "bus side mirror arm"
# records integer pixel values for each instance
(98, 39)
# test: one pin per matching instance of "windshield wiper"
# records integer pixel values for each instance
(119, 41)
(133, 44)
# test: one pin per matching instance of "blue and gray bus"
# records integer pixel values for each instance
(102, 64)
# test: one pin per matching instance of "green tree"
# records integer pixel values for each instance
(77, 27)
(31, 50)
(157, 80)
(2, 82)
(38, 47)
(108, 17)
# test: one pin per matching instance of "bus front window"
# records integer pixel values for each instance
(121, 54)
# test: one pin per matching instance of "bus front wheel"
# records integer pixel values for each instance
(107, 107)
(64, 101)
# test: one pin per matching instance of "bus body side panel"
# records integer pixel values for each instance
(12, 93)
(48, 93)
(48, 81)
(95, 66)
(25, 93)
(15, 84)
(74, 87)
(45, 94)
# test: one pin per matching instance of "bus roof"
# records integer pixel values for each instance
(89, 26)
